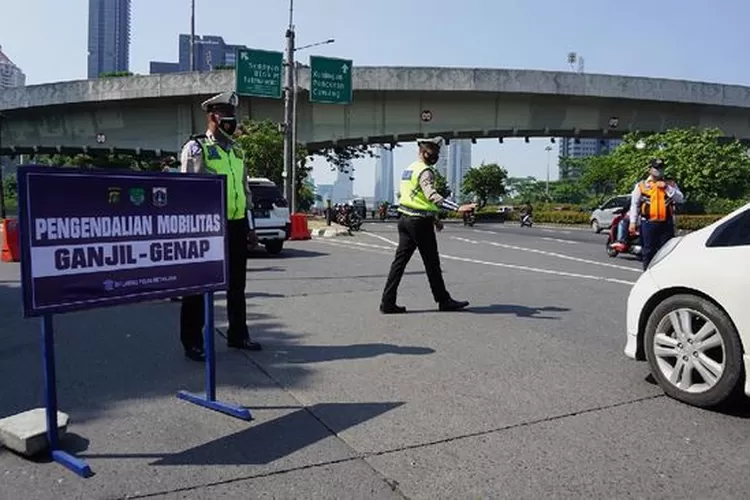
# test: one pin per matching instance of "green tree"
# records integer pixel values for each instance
(705, 167)
(600, 176)
(568, 192)
(485, 181)
(441, 185)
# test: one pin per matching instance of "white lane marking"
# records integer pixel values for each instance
(500, 264)
(382, 238)
(560, 240)
(359, 246)
(548, 254)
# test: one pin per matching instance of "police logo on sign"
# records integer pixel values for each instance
(614, 122)
(159, 196)
(137, 196)
(113, 195)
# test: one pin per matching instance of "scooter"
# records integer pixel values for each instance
(632, 245)
(527, 220)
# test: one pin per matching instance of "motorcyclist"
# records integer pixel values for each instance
(622, 228)
(527, 210)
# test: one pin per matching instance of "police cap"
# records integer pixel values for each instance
(658, 164)
(225, 100)
(435, 141)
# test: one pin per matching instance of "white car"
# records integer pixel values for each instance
(270, 214)
(601, 218)
(688, 314)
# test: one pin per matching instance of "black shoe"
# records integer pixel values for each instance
(453, 305)
(392, 309)
(245, 345)
(195, 354)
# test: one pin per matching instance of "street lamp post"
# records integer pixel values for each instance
(192, 35)
(3, 213)
(288, 107)
(548, 149)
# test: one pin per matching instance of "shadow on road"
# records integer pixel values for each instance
(287, 253)
(323, 353)
(330, 277)
(518, 310)
(272, 440)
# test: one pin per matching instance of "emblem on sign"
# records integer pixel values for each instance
(137, 196)
(614, 122)
(113, 195)
(159, 196)
(426, 115)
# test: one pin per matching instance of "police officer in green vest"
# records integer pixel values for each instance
(214, 153)
(420, 204)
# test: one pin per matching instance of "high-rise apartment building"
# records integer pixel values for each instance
(10, 74)
(583, 148)
(210, 51)
(109, 37)
(459, 163)
(384, 187)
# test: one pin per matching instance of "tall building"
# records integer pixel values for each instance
(10, 74)
(583, 148)
(210, 51)
(109, 37)
(384, 175)
(459, 162)
(343, 187)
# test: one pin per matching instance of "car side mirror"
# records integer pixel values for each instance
(617, 211)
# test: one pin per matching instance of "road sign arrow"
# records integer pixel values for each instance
(243, 56)
(344, 68)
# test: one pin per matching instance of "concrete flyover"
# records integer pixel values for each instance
(157, 112)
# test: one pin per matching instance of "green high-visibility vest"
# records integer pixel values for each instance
(220, 162)
(411, 198)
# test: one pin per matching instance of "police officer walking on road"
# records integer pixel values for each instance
(420, 204)
(214, 153)
(653, 200)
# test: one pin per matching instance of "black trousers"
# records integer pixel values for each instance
(653, 236)
(192, 314)
(416, 233)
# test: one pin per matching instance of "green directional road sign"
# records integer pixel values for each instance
(330, 80)
(259, 73)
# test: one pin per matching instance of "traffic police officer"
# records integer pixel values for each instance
(214, 153)
(420, 204)
(653, 200)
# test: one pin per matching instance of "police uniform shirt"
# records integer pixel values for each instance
(427, 183)
(191, 161)
(671, 190)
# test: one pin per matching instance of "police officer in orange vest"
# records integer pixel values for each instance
(653, 200)
(214, 153)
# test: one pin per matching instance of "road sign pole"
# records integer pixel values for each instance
(289, 116)
(295, 92)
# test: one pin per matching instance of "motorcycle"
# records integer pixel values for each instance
(631, 246)
(527, 220)
(470, 218)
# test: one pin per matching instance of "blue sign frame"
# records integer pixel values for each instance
(45, 193)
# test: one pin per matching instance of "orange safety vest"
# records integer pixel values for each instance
(655, 205)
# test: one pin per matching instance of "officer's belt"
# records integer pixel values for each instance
(416, 213)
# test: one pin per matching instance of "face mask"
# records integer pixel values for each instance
(228, 125)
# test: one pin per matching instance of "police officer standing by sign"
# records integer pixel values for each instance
(653, 200)
(420, 204)
(214, 153)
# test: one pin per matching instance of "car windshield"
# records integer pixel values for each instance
(266, 194)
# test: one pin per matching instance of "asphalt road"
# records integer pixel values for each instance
(525, 395)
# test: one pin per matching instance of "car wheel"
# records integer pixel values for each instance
(274, 247)
(694, 351)
(595, 226)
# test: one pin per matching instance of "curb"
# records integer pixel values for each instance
(328, 233)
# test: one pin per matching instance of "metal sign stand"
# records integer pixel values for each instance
(209, 399)
(50, 401)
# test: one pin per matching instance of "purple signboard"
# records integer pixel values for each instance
(93, 238)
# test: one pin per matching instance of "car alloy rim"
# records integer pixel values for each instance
(689, 350)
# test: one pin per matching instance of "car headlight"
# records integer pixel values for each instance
(665, 250)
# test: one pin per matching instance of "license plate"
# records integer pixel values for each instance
(261, 214)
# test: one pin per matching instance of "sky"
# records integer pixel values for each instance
(666, 38)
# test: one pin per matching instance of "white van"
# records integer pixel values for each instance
(269, 213)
